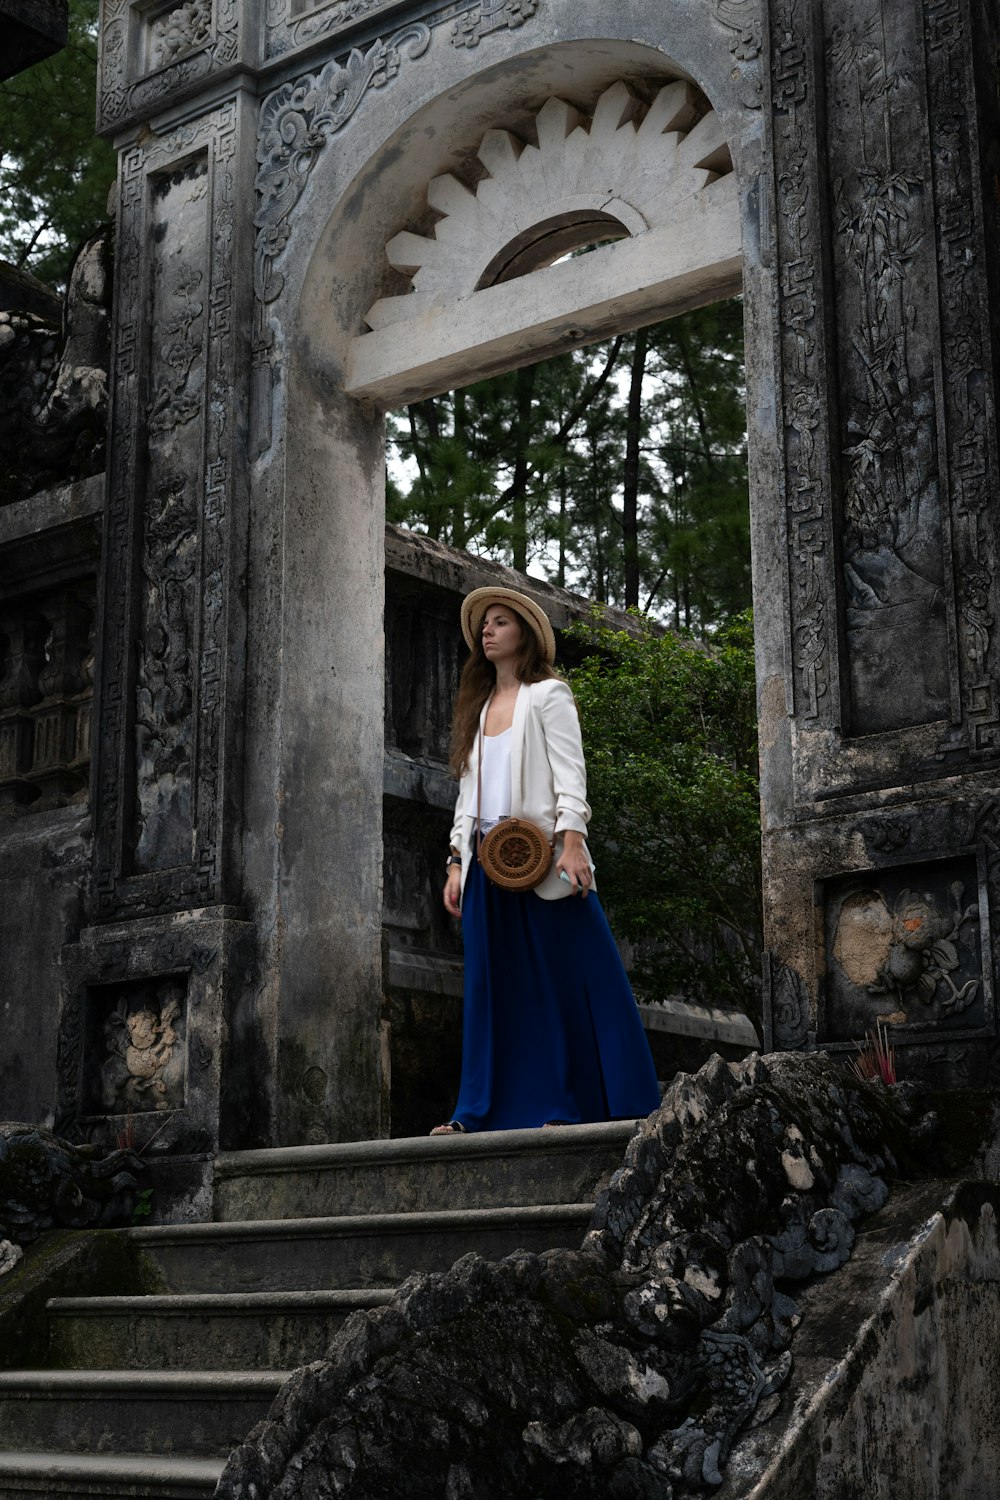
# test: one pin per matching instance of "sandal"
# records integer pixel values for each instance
(453, 1127)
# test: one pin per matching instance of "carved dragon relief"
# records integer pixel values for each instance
(182, 343)
(164, 676)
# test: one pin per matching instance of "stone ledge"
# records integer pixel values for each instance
(412, 1149)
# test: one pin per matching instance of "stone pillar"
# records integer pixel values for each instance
(167, 951)
(882, 836)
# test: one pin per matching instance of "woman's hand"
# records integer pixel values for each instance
(453, 891)
(573, 860)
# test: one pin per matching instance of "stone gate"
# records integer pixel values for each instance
(327, 210)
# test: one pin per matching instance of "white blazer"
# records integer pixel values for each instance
(548, 778)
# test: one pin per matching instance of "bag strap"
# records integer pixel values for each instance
(479, 787)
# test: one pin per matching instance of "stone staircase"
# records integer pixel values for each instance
(146, 1395)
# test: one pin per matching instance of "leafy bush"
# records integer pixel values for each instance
(670, 733)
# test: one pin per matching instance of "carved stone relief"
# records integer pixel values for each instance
(175, 32)
(290, 24)
(886, 391)
(892, 543)
(141, 1046)
(788, 1008)
(313, 1087)
(904, 947)
(967, 395)
(743, 19)
(165, 685)
(151, 56)
(147, 1015)
(295, 123)
(166, 607)
(491, 15)
(803, 393)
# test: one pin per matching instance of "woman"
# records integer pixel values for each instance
(552, 1035)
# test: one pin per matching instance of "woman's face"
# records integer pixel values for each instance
(501, 634)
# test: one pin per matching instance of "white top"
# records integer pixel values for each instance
(496, 779)
(548, 779)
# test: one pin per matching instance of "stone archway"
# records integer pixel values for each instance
(674, 232)
(264, 168)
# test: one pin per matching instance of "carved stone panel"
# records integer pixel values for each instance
(162, 832)
(135, 1046)
(908, 947)
(886, 390)
(153, 54)
(891, 520)
(958, 141)
(804, 395)
(171, 660)
(151, 1013)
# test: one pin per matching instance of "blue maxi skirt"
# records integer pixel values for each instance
(551, 1027)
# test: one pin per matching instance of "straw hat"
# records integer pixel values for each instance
(475, 605)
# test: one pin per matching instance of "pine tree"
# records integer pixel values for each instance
(619, 470)
(54, 172)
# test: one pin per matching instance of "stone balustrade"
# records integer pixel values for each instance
(46, 693)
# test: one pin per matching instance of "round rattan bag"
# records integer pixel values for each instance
(516, 855)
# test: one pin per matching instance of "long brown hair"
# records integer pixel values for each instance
(479, 678)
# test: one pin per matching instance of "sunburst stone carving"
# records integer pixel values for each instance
(628, 168)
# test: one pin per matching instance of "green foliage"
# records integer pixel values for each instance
(54, 172)
(670, 733)
(143, 1203)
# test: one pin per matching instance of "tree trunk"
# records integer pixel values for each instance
(519, 485)
(630, 483)
(459, 534)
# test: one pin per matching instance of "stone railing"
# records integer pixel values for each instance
(46, 692)
(49, 555)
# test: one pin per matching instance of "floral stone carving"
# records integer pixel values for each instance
(904, 947)
(626, 1368)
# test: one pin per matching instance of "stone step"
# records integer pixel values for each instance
(364, 1250)
(487, 1169)
(191, 1414)
(220, 1331)
(79, 1475)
